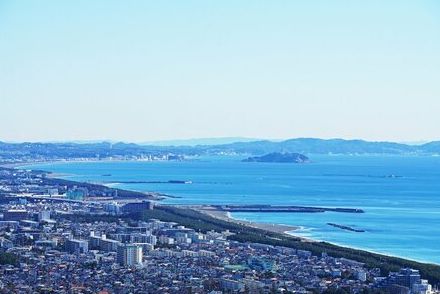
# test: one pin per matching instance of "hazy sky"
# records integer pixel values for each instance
(150, 70)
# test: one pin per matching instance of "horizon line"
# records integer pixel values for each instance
(237, 139)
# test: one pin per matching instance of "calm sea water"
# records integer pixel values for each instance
(400, 195)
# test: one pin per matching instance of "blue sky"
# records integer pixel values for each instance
(156, 70)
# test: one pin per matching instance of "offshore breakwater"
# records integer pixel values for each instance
(283, 208)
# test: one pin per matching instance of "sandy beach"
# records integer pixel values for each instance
(225, 216)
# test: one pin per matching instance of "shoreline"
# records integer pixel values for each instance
(24, 164)
(226, 216)
(213, 212)
(290, 231)
(387, 254)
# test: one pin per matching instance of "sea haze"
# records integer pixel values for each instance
(400, 194)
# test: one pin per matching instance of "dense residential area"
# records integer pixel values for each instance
(57, 238)
(57, 253)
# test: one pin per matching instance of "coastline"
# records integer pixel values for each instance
(288, 230)
(22, 165)
(226, 216)
(38, 162)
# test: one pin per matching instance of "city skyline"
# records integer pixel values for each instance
(146, 71)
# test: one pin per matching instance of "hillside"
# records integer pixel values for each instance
(279, 157)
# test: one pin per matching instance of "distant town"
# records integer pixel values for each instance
(15, 153)
(59, 236)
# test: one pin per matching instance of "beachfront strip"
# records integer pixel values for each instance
(70, 247)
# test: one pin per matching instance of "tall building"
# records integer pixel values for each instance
(44, 215)
(408, 277)
(77, 246)
(15, 215)
(136, 207)
(423, 288)
(52, 191)
(129, 254)
(102, 243)
(407, 280)
(77, 193)
(112, 208)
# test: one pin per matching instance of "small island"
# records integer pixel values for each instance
(279, 157)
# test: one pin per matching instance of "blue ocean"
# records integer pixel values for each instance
(399, 194)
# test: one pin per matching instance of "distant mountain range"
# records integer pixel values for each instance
(335, 146)
(47, 151)
(199, 141)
